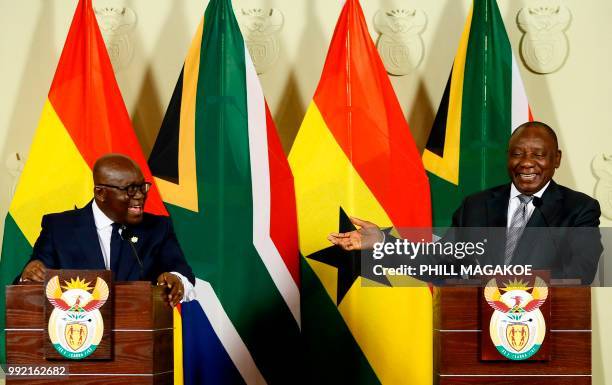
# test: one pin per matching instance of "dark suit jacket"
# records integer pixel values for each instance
(69, 240)
(562, 234)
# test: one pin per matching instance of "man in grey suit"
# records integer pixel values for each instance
(545, 224)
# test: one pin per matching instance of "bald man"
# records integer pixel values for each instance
(568, 242)
(113, 232)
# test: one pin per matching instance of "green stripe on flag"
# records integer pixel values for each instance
(445, 199)
(16, 251)
(487, 101)
(486, 114)
(343, 361)
(218, 240)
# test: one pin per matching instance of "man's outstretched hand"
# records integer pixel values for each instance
(33, 272)
(174, 285)
(363, 238)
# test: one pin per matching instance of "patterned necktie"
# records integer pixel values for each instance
(517, 225)
(115, 247)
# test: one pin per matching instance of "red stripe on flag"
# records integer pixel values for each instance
(85, 96)
(283, 221)
(530, 114)
(367, 122)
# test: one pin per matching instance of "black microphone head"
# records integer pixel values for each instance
(123, 234)
(537, 201)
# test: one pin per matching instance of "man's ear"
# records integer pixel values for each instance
(100, 194)
(558, 159)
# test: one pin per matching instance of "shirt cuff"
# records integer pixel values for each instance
(187, 286)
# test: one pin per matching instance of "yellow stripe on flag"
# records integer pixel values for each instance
(178, 347)
(447, 166)
(185, 193)
(381, 319)
(55, 178)
(393, 327)
(325, 180)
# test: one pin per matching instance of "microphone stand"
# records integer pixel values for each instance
(134, 252)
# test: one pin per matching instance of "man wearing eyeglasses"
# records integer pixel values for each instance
(113, 232)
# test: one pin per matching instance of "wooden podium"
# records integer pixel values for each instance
(141, 338)
(457, 341)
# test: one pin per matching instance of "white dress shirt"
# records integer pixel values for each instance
(104, 227)
(515, 202)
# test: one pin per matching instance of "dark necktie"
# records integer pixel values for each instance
(115, 247)
(517, 226)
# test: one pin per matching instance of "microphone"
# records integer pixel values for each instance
(537, 202)
(124, 231)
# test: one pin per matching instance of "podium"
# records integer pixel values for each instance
(457, 341)
(141, 338)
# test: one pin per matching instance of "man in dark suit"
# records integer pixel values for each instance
(113, 232)
(544, 224)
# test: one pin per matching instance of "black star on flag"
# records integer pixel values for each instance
(348, 263)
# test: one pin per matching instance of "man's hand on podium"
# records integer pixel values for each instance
(175, 286)
(33, 272)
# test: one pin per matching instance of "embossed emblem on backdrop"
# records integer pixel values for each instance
(116, 25)
(602, 168)
(400, 44)
(261, 29)
(544, 46)
(78, 314)
(517, 325)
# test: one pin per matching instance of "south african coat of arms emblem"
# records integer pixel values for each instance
(517, 327)
(75, 324)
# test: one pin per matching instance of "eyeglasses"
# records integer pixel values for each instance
(130, 190)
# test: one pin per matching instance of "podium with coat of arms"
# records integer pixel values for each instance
(513, 331)
(79, 328)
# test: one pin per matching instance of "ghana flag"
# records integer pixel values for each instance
(483, 102)
(83, 118)
(221, 170)
(354, 156)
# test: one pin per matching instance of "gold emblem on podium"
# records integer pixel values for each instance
(517, 327)
(75, 334)
(517, 335)
(76, 325)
